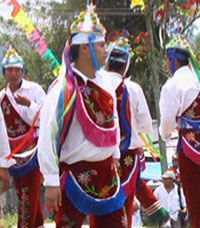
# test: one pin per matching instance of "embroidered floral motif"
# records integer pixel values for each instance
(85, 89)
(191, 113)
(128, 160)
(6, 108)
(190, 136)
(100, 118)
(24, 215)
(192, 139)
(69, 224)
(104, 191)
(21, 128)
(85, 178)
(119, 97)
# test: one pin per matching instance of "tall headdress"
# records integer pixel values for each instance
(180, 43)
(12, 59)
(119, 42)
(89, 30)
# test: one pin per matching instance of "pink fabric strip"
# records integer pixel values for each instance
(14, 142)
(100, 137)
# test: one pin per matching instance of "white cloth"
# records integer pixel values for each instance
(36, 94)
(141, 121)
(4, 146)
(76, 147)
(176, 96)
(170, 201)
(136, 218)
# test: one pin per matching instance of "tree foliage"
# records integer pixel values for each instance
(149, 29)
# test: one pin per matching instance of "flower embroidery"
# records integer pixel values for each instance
(128, 160)
(190, 136)
(21, 128)
(104, 191)
(124, 220)
(100, 118)
(84, 178)
(6, 108)
(24, 207)
(190, 113)
(85, 89)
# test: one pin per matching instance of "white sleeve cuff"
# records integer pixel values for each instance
(4, 163)
(51, 180)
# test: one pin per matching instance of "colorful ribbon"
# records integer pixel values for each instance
(33, 36)
(148, 144)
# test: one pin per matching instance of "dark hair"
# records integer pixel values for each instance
(74, 50)
(115, 62)
(181, 55)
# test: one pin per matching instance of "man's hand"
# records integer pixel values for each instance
(116, 162)
(4, 179)
(22, 100)
(53, 197)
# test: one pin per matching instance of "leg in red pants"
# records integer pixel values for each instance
(129, 207)
(28, 193)
(69, 216)
(151, 204)
(190, 179)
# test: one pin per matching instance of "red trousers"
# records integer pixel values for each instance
(145, 195)
(28, 193)
(74, 218)
(190, 179)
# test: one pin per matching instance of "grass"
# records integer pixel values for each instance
(9, 221)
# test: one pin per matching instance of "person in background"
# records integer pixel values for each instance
(20, 103)
(175, 168)
(179, 109)
(79, 134)
(168, 195)
(134, 118)
(136, 220)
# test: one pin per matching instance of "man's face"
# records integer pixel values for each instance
(100, 50)
(168, 182)
(13, 75)
(168, 63)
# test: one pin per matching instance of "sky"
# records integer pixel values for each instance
(5, 10)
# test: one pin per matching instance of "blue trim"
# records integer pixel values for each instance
(88, 205)
(171, 52)
(91, 38)
(139, 177)
(126, 130)
(185, 123)
(60, 110)
(19, 171)
(179, 145)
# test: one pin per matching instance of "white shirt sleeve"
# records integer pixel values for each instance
(169, 106)
(47, 145)
(4, 148)
(143, 116)
(36, 102)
